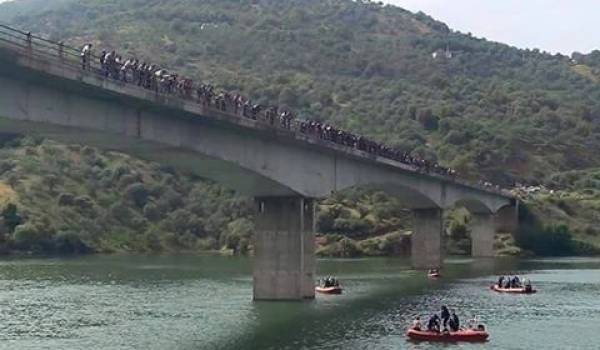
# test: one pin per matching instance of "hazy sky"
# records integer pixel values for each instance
(551, 25)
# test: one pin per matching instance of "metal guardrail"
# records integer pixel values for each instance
(69, 57)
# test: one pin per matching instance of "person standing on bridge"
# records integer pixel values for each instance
(61, 49)
(28, 40)
(86, 54)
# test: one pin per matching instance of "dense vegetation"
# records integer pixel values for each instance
(554, 217)
(72, 199)
(486, 109)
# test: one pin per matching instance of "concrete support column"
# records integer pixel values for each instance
(284, 261)
(483, 231)
(427, 239)
(507, 219)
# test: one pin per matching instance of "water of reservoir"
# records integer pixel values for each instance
(204, 302)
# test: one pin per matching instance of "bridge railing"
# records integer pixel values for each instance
(65, 56)
(71, 58)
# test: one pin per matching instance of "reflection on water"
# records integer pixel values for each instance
(191, 302)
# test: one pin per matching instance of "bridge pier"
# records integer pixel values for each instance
(483, 231)
(284, 261)
(507, 219)
(426, 249)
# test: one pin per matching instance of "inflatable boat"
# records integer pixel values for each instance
(463, 335)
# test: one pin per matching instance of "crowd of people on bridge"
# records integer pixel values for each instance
(153, 77)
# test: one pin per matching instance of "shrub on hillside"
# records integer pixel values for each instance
(351, 226)
(33, 237)
(151, 212)
(138, 194)
(11, 217)
(6, 166)
(68, 242)
(66, 199)
(237, 235)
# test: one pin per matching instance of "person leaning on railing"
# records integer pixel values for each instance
(61, 50)
(28, 40)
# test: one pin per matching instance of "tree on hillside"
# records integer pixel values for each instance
(11, 217)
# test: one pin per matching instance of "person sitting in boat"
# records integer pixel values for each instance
(500, 280)
(527, 284)
(454, 322)
(331, 282)
(516, 282)
(470, 323)
(507, 283)
(433, 325)
(445, 315)
(416, 325)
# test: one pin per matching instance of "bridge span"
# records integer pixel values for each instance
(44, 90)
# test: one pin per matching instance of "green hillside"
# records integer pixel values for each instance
(487, 109)
(58, 198)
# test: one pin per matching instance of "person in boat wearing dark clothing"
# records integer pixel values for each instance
(454, 322)
(331, 282)
(433, 325)
(515, 282)
(445, 314)
(500, 280)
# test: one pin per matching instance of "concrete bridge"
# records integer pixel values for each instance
(44, 90)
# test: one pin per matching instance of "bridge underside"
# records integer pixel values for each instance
(243, 181)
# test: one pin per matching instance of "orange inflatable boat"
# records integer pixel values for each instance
(329, 290)
(463, 335)
(521, 290)
(433, 275)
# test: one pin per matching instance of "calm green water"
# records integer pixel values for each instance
(165, 302)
